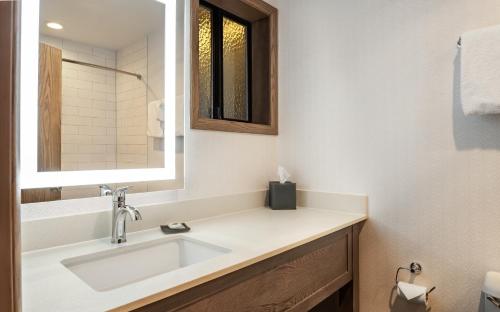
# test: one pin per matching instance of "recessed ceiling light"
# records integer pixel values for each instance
(54, 25)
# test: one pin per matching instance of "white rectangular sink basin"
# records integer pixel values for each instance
(121, 266)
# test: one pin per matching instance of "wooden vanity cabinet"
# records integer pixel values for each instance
(321, 275)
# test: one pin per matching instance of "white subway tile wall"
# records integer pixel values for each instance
(156, 81)
(131, 103)
(88, 121)
(104, 114)
(145, 57)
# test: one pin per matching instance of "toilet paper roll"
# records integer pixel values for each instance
(413, 293)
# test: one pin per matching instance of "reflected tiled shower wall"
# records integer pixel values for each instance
(88, 120)
(156, 88)
(134, 148)
(104, 115)
(131, 104)
(88, 107)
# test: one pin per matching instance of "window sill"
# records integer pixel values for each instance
(233, 126)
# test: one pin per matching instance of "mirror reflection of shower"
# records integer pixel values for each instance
(101, 86)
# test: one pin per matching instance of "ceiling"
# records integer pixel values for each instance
(110, 24)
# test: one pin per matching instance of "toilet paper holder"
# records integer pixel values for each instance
(414, 268)
(494, 301)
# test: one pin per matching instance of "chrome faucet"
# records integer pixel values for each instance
(120, 212)
(105, 190)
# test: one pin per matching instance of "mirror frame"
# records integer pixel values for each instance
(30, 177)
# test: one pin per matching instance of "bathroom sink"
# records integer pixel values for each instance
(121, 266)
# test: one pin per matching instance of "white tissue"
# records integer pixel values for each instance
(413, 293)
(283, 174)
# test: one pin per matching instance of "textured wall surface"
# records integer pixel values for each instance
(370, 104)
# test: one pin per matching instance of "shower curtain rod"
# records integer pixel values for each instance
(138, 76)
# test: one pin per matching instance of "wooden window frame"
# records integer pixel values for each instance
(254, 11)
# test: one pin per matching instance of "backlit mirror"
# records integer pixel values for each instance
(107, 103)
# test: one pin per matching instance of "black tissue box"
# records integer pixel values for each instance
(282, 196)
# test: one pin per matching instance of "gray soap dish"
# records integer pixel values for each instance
(175, 228)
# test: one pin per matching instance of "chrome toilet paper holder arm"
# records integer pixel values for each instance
(494, 301)
(416, 268)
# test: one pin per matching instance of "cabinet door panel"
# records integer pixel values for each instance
(288, 286)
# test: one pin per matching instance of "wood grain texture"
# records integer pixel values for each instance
(203, 123)
(240, 8)
(49, 121)
(49, 108)
(260, 72)
(333, 285)
(340, 301)
(295, 280)
(261, 6)
(356, 229)
(284, 287)
(10, 290)
(273, 56)
(40, 195)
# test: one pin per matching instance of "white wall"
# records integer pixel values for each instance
(370, 104)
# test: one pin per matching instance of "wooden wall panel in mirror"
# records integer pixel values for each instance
(49, 121)
(101, 92)
(234, 66)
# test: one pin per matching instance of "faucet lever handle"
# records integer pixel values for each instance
(123, 189)
(119, 193)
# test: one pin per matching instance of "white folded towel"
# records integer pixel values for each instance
(156, 117)
(480, 66)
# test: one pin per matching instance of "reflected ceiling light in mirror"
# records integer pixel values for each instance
(54, 25)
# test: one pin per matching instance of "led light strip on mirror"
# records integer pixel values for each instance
(29, 175)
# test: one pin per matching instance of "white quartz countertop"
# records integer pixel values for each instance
(251, 235)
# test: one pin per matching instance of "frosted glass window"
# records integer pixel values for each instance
(205, 61)
(223, 65)
(235, 70)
